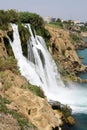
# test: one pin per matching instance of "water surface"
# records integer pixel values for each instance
(83, 54)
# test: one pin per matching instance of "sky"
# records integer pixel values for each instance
(64, 9)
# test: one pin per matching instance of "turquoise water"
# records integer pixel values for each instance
(81, 122)
(83, 75)
(83, 54)
(81, 119)
(85, 39)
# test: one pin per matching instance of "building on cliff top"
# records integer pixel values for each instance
(49, 19)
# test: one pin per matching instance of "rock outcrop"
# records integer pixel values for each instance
(7, 122)
(15, 88)
(35, 109)
(3, 52)
(64, 52)
(84, 34)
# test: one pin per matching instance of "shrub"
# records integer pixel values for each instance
(3, 107)
(23, 123)
(37, 23)
(36, 90)
(9, 64)
(12, 15)
(69, 48)
(83, 28)
(56, 24)
(4, 20)
(66, 110)
(75, 38)
(10, 34)
(24, 36)
(35, 20)
(8, 47)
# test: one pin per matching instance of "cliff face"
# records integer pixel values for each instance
(64, 52)
(23, 106)
(36, 110)
(84, 34)
(3, 53)
(17, 102)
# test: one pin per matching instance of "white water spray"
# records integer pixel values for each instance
(26, 67)
(40, 69)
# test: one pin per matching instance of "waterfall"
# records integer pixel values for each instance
(27, 68)
(40, 69)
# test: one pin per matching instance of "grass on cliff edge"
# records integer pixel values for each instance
(9, 64)
(23, 123)
(36, 90)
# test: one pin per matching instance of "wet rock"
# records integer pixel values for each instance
(70, 121)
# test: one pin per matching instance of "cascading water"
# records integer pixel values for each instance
(26, 67)
(40, 69)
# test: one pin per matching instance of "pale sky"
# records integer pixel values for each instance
(64, 9)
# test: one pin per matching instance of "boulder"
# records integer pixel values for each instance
(70, 121)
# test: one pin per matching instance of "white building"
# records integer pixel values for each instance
(49, 19)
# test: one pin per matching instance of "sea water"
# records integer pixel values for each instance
(81, 118)
(83, 55)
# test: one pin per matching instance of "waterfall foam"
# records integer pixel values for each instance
(26, 67)
(40, 69)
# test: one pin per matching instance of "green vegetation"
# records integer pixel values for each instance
(12, 16)
(3, 107)
(61, 68)
(4, 20)
(9, 64)
(24, 36)
(68, 24)
(10, 34)
(35, 20)
(69, 48)
(58, 23)
(45, 34)
(75, 38)
(36, 90)
(65, 24)
(83, 28)
(8, 47)
(23, 123)
(66, 110)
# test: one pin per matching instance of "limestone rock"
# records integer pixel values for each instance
(3, 53)
(70, 120)
(7, 122)
(64, 51)
(35, 109)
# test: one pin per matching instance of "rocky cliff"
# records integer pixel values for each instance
(3, 52)
(23, 106)
(21, 109)
(64, 53)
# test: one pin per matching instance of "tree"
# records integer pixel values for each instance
(3, 17)
(58, 20)
(13, 15)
